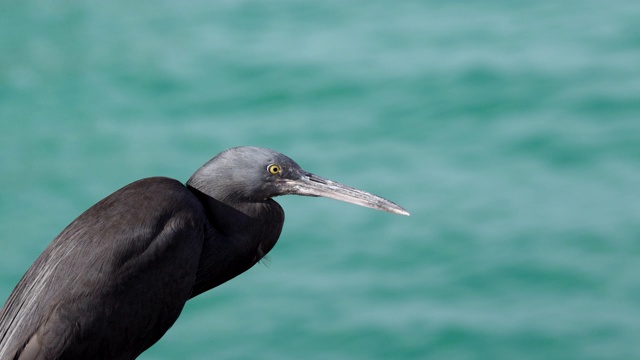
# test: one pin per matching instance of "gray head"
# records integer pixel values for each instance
(252, 174)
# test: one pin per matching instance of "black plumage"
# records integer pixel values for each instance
(116, 279)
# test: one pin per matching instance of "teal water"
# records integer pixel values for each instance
(510, 130)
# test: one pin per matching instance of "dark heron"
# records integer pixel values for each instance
(116, 279)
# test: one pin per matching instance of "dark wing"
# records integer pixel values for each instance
(113, 282)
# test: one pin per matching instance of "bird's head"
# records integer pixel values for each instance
(250, 174)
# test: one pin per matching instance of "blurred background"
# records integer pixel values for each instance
(509, 129)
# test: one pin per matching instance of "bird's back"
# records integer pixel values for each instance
(112, 283)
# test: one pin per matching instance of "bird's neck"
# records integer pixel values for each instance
(240, 233)
(235, 218)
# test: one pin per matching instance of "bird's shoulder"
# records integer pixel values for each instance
(153, 191)
(148, 232)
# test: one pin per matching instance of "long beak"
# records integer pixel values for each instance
(313, 185)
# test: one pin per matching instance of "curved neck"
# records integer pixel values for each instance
(240, 234)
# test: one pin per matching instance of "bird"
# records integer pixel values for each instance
(117, 277)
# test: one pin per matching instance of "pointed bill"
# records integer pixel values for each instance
(313, 185)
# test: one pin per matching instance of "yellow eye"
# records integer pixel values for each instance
(274, 169)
